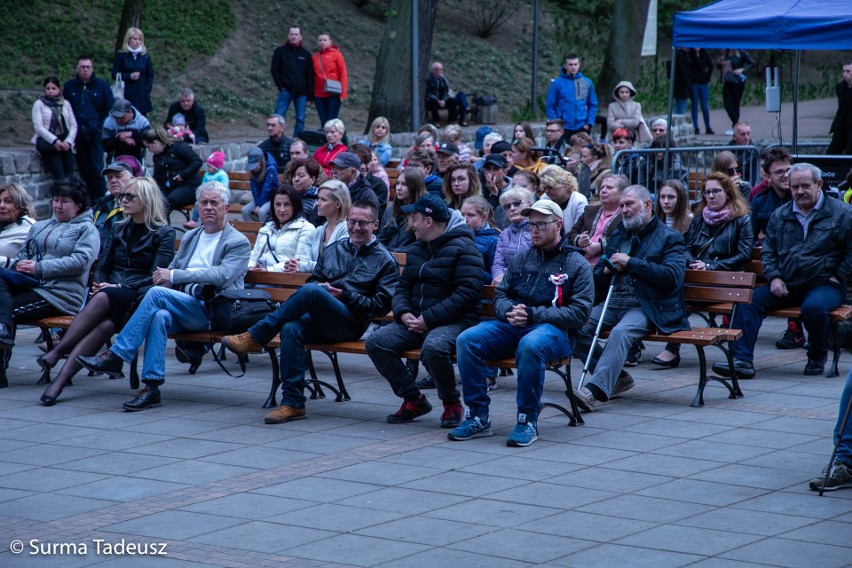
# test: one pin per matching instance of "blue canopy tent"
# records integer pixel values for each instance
(779, 24)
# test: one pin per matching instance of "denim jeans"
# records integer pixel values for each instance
(679, 106)
(437, 346)
(309, 315)
(532, 346)
(327, 108)
(700, 95)
(627, 327)
(161, 312)
(299, 105)
(248, 212)
(844, 450)
(816, 304)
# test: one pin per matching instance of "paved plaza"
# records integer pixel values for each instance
(648, 481)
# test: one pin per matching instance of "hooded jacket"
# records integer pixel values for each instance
(67, 251)
(329, 64)
(627, 113)
(442, 278)
(527, 281)
(572, 98)
(807, 262)
(657, 268)
(513, 239)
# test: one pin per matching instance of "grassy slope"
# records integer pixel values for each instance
(222, 49)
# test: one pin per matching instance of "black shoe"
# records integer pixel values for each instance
(506, 372)
(634, 355)
(792, 338)
(49, 400)
(7, 339)
(426, 383)
(815, 366)
(744, 369)
(672, 364)
(192, 355)
(697, 132)
(107, 362)
(410, 410)
(709, 131)
(146, 398)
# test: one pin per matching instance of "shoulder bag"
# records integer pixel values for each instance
(330, 86)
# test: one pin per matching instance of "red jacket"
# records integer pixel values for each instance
(325, 154)
(335, 69)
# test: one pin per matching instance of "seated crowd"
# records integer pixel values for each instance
(551, 231)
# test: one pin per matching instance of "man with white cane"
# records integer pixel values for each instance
(648, 294)
(544, 298)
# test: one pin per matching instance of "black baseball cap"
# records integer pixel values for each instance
(430, 205)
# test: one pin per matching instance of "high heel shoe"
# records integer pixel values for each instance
(46, 367)
(50, 400)
(673, 364)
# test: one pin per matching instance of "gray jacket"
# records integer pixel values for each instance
(229, 261)
(67, 251)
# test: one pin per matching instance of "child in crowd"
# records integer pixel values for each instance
(214, 164)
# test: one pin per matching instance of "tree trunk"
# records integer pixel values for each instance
(623, 55)
(392, 83)
(131, 17)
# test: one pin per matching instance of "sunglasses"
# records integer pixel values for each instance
(512, 204)
(735, 171)
(126, 197)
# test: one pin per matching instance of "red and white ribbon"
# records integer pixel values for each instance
(557, 280)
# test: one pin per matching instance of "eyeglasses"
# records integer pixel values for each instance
(362, 224)
(126, 197)
(513, 204)
(540, 226)
(735, 171)
(781, 173)
(709, 192)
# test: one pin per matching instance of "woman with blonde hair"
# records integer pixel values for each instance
(560, 186)
(334, 131)
(460, 182)
(524, 157)
(333, 203)
(134, 65)
(17, 216)
(135, 247)
(379, 139)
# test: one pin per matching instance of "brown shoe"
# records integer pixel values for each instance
(242, 343)
(283, 414)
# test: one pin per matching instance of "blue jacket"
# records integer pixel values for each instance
(260, 191)
(573, 99)
(485, 239)
(91, 102)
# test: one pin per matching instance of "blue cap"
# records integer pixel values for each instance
(430, 205)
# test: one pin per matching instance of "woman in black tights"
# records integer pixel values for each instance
(135, 247)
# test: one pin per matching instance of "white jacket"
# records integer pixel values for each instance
(13, 237)
(274, 247)
(340, 232)
(41, 122)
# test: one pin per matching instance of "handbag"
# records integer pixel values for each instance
(330, 86)
(236, 311)
(118, 87)
(732, 78)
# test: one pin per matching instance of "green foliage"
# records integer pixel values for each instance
(43, 37)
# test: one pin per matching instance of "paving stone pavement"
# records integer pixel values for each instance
(647, 481)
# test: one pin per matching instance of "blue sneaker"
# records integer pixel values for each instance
(524, 434)
(471, 428)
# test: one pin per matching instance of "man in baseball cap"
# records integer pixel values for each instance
(439, 295)
(123, 131)
(346, 167)
(544, 299)
(448, 156)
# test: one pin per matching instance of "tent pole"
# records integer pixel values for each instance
(796, 103)
(669, 134)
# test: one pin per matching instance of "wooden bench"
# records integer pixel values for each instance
(560, 367)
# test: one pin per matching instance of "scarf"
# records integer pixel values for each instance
(138, 51)
(57, 122)
(714, 218)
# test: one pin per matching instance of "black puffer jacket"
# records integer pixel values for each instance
(731, 246)
(657, 268)
(526, 281)
(367, 279)
(394, 233)
(807, 263)
(442, 279)
(177, 159)
(133, 266)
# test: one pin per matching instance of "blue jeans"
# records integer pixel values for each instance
(248, 212)
(816, 304)
(700, 95)
(310, 315)
(161, 312)
(679, 106)
(327, 108)
(844, 450)
(299, 105)
(532, 346)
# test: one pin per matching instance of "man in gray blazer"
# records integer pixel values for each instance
(212, 256)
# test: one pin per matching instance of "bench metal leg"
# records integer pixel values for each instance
(314, 385)
(574, 416)
(340, 393)
(833, 370)
(276, 379)
(733, 386)
(134, 373)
